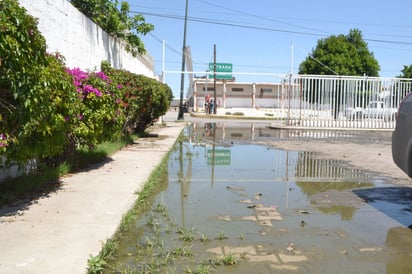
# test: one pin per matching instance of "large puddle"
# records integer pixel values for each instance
(230, 205)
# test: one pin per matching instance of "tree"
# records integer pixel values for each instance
(341, 55)
(117, 22)
(406, 72)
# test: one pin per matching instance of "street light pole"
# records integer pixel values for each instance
(214, 80)
(180, 116)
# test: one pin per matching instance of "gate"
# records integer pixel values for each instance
(342, 101)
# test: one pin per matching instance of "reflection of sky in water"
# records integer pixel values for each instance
(395, 202)
(247, 162)
(396, 211)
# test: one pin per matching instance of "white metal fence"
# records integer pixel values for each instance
(342, 101)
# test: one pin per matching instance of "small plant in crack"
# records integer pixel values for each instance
(222, 236)
(186, 235)
(203, 238)
(229, 259)
(184, 251)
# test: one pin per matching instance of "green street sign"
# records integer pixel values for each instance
(218, 156)
(223, 71)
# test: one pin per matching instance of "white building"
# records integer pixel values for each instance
(231, 94)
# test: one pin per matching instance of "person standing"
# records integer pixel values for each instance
(207, 104)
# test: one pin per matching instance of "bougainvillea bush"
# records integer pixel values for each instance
(100, 117)
(47, 111)
(35, 91)
(144, 99)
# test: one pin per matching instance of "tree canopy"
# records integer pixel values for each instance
(341, 55)
(114, 18)
(406, 72)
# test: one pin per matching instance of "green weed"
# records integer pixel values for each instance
(186, 234)
(222, 236)
(96, 264)
(229, 259)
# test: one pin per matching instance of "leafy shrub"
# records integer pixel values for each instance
(100, 117)
(144, 99)
(35, 92)
(47, 111)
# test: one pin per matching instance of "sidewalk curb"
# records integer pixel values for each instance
(58, 232)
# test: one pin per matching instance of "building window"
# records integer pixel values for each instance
(208, 88)
(265, 90)
(237, 89)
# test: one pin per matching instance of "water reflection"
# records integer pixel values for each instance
(218, 138)
(225, 156)
(225, 133)
(228, 157)
(277, 209)
(395, 202)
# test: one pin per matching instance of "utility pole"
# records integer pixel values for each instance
(180, 116)
(214, 79)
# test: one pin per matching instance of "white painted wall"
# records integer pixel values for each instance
(79, 40)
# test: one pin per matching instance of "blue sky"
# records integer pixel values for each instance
(257, 36)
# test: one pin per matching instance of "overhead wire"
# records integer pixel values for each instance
(175, 50)
(316, 32)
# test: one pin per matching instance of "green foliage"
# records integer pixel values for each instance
(48, 111)
(406, 72)
(100, 117)
(144, 99)
(21, 47)
(117, 22)
(35, 92)
(95, 265)
(341, 55)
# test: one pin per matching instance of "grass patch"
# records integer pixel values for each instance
(156, 183)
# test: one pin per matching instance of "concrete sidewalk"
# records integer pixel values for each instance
(58, 233)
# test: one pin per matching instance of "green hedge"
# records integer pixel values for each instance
(47, 110)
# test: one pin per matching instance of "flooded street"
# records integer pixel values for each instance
(236, 201)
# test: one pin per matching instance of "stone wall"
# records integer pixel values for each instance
(79, 40)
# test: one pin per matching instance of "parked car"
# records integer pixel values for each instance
(374, 110)
(378, 110)
(353, 113)
(402, 136)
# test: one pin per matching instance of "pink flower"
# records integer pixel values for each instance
(102, 76)
(3, 140)
(78, 74)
